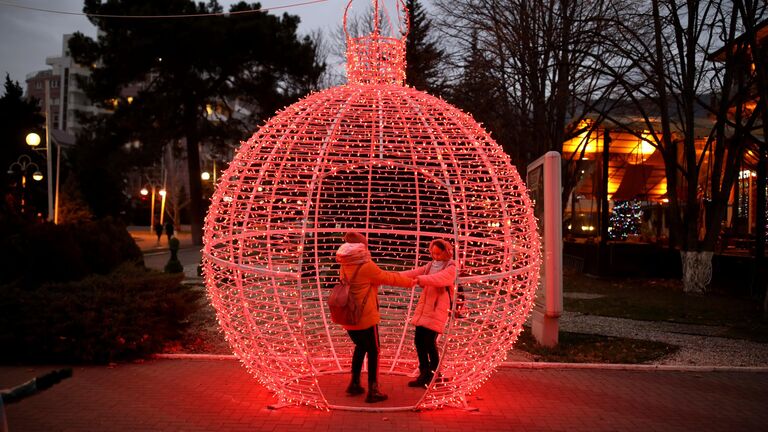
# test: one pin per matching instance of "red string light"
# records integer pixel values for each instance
(400, 166)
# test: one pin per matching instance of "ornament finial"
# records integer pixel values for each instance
(373, 58)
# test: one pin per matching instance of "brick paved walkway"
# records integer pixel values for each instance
(218, 395)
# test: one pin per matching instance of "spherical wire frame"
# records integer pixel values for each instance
(401, 167)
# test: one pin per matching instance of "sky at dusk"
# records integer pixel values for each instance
(27, 37)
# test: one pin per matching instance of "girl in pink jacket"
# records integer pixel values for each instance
(436, 280)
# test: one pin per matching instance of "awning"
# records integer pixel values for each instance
(62, 138)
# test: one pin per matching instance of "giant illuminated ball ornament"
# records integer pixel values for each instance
(402, 167)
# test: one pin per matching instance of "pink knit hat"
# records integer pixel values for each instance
(355, 237)
(444, 245)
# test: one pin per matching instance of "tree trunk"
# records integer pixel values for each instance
(759, 278)
(195, 189)
(669, 144)
(697, 271)
(748, 12)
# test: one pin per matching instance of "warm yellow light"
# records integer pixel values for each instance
(129, 99)
(37, 176)
(162, 192)
(585, 141)
(643, 149)
(208, 109)
(746, 174)
(646, 148)
(205, 175)
(144, 191)
(33, 139)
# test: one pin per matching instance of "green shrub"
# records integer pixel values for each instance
(126, 314)
(39, 253)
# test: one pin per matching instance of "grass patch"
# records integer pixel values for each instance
(664, 300)
(587, 348)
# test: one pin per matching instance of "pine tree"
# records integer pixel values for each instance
(187, 69)
(424, 58)
(625, 220)
(476, 92)
(18, 117)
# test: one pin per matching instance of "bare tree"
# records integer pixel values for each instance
(667, 77)
(174, 180)
(752, 13)
(539, 68)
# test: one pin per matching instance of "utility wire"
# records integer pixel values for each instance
(5, 3)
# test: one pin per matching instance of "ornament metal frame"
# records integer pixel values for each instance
(401, 167)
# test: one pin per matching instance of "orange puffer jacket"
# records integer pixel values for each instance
(368, 278)
(435, 301)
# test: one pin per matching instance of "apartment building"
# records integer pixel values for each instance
(66, 96)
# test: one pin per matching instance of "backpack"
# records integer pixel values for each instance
(344, 309)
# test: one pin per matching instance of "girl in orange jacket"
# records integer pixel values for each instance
(436, 280)
(364, 278)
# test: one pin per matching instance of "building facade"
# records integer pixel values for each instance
(66, 96)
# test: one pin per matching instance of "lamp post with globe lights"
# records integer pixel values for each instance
(34, 140)
(206, 176)
(24, 164)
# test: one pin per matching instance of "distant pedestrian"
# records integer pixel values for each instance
(169, 229)
(159, 231)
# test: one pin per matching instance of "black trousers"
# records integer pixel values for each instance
(426, 349)
(366, 343)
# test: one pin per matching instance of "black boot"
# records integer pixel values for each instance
(422, 380)
(374, 395)
(354, 388)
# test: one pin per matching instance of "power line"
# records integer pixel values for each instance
(4, 3)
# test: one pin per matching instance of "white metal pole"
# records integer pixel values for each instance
(48, 149)
(152, 209)
(58, 170)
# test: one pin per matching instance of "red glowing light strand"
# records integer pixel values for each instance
(401, 167)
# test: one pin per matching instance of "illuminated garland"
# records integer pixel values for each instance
(400, 166)
(625, 220)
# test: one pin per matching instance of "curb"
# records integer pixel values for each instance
(633, 367)
(163, 250)
(537, 365)
(194, 356)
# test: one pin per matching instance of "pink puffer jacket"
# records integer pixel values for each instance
(435, 302)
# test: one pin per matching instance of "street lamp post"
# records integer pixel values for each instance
(205, 175)
(24, 163)
(33, 140)
(162, 203)
(153, 189)
(144, 192)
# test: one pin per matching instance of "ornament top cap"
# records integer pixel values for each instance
(373, 58)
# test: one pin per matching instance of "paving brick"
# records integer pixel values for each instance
(219, 395)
